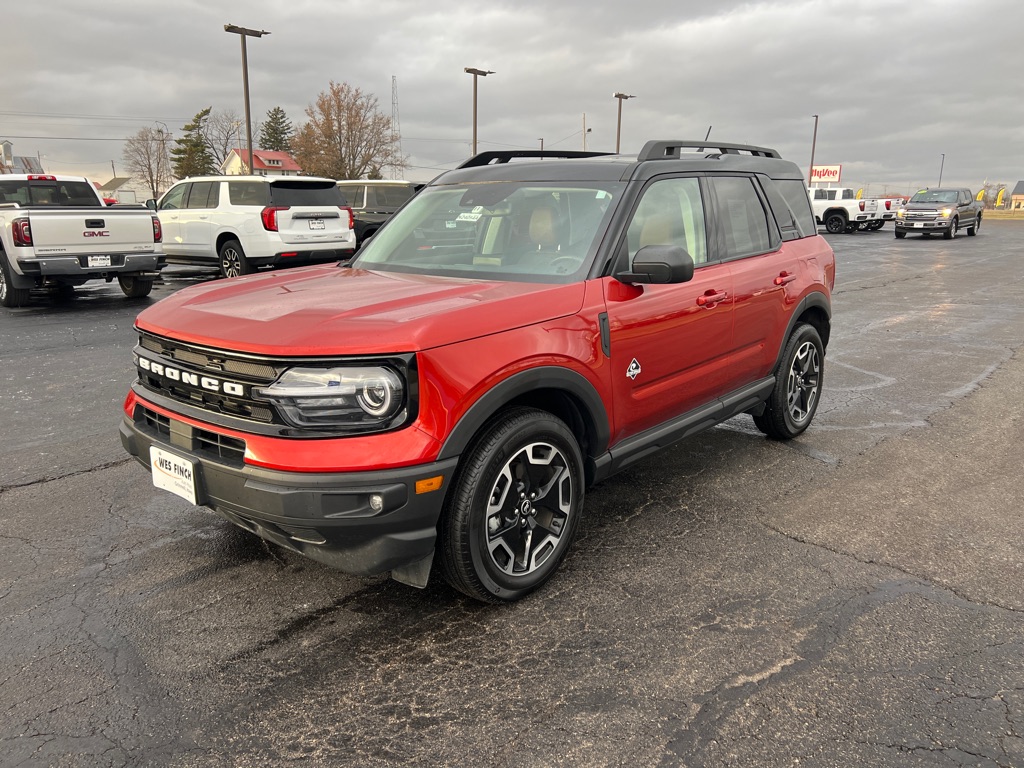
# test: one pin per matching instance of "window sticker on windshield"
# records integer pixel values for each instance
(467, 217)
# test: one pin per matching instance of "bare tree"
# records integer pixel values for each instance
(146, 157)
(224, 131)
(346, 137)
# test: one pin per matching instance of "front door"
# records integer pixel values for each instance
(670, 344)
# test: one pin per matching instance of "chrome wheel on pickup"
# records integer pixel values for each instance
(950, 232)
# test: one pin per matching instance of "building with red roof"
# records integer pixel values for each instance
(265, 162)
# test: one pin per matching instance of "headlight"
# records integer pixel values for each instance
(946, 213)
(900, 213)
(362, 399)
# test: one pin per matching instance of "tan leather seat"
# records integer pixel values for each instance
(543, 229)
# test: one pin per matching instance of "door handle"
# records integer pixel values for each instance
(711, 297)
(783, 278)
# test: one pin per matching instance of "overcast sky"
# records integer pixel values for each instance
(895, 83)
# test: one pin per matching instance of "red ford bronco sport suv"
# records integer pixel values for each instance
(516, 333)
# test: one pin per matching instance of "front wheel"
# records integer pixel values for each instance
(793, 402)
(513, 508)
(950, 233)
(232, 260)
(134, 287)
(900, 234)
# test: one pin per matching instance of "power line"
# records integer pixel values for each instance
(65, 115)
(65, 138)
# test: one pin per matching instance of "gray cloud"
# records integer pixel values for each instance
(895, 85)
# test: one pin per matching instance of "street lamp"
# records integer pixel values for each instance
(941, 164)
(814, 141)
(618, 126)
(243, 33)
(476, 73)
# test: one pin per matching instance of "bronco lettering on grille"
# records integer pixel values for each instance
(208, 383)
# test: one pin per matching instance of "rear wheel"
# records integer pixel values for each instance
(9, 295)
(791, 406)
(232, 260)
(513, 509)
(135, 287)
(973, 229)
(835, 223)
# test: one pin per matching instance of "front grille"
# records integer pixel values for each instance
(214, 381)
(230, 449)
(920, 215)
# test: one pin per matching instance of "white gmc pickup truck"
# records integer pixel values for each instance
(838, 210)
(56, 233)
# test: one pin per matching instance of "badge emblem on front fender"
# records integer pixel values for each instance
(634, 370)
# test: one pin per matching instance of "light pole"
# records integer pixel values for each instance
(814, 141)
(585, 131)
(476, 73)
(941, 164)
(243, 33)
(618, 125)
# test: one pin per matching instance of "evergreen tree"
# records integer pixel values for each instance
(276, 132)
(191, 155)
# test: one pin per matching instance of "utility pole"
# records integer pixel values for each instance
(618, 125)
(814, 140)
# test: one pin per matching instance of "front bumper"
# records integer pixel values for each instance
(928, 225)
(324, 516)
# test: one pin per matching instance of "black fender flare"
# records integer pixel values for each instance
(16, 280)
(813, 300)
(522, 383)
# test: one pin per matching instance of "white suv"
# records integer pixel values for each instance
(246, 222)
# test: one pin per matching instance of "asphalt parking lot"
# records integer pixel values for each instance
(852, 598)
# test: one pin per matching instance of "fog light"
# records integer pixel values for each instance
(376, 502)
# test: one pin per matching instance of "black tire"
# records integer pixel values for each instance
(522, 477)
(851, 228)
(874, 226)
(835, 223)
(135, 287)
(900, 234)
(232, 260)
(794, 401)
(64, 292)
(973, 229)
(9, 295)
(950, 232)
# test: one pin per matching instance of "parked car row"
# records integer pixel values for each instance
(942, 211)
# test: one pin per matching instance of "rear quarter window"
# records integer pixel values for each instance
(248, 193)
(392, 195)
(795, 195)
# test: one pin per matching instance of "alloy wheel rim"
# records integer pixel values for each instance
(804, 378)
(231, 263)
(528, 509)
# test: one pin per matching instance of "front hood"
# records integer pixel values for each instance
(927, 206)
(327, 310)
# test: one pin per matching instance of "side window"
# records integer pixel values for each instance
(200, 195)
(393, 195)
(214, 200)
(742, 218)
(175, 198)
(848, 194)
(793, 193)
(247, 193)
(356, 195)
(671, 212)
(821, 194)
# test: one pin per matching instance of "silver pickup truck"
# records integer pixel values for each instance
(56, 233)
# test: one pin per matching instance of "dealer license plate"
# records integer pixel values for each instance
(918, 224)
(173, 473)
(317, 224)
(99, 261)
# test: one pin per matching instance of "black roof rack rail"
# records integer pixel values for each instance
(504, 155)
(664, 150)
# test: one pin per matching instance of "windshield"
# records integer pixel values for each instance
(515, 231)
(934, 196)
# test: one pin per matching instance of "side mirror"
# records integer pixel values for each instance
(151, 204)
(660, 264)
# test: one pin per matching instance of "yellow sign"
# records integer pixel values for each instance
(860, 193)
(999, 198)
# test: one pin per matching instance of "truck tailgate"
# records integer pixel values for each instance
(91, 230)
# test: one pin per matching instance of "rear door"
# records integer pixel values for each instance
(670, 345)
(309, 211)
(196, 220)
(169, 211)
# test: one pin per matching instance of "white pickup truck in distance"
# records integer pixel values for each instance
(56, 233)
(838, 209)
